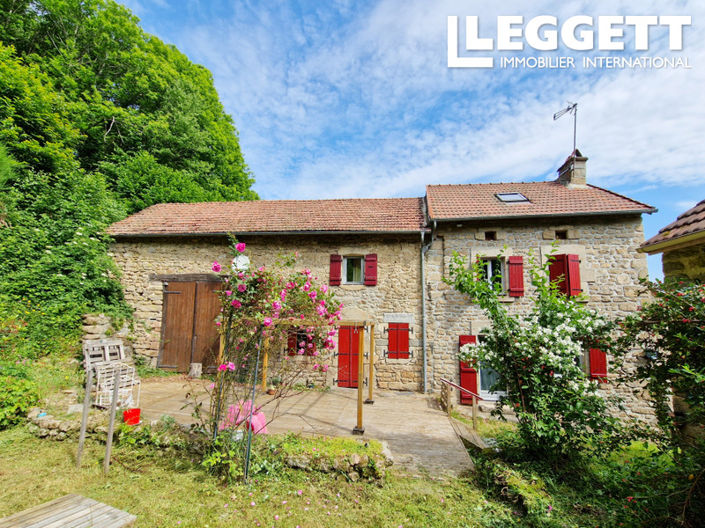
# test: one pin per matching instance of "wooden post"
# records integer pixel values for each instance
(111, 423)
(371, 374)
(359, 429)
(84, 416)
(474, 413)
(265, 361)
(221, 349)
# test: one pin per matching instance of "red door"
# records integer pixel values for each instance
(348, 355)
(468, 375)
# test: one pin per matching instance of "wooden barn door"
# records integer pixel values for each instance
(189, 334)
(348, 354)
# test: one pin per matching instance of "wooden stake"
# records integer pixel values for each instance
(265, 361)
(359, 429)
(474, 413)
(111, 424)
(84, 416)
(371, 373)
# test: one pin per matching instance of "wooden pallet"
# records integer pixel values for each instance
(70, 511)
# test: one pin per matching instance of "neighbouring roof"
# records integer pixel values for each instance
(687, 228)
(382, 215)
(479, 201)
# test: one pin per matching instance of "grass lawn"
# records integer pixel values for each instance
(169, 491)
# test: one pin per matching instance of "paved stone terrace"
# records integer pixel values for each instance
(419, 435)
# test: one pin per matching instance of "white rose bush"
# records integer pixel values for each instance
(539, 357)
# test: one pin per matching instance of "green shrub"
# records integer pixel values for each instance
(16, 397)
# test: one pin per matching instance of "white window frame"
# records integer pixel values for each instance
(345, 269)
(486, 395)
(496, 261)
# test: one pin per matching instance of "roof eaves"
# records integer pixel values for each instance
(266, 233)
(540, 215)
(671, 243)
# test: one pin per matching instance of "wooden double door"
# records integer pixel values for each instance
(189, 334)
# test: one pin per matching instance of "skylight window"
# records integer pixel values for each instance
(512, 197)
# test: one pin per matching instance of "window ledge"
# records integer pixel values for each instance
(352, 287)
(507, 299)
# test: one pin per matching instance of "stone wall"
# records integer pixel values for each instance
(398, 290)
(610, 268)
(100, 326)
(685, 263)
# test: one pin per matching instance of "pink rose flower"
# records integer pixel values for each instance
(240, 246)
(241, 288)
(307, 286)
(324, 368)
(228, 293)
(324, 288)
(312, 294)
(236, 304)
(216, 267)
(267, 321)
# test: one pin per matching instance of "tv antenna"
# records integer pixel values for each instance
(572, 108)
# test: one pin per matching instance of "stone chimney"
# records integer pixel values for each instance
(572, 173)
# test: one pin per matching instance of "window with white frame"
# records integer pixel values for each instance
(353, 270)
(492, 270)
(486, 379)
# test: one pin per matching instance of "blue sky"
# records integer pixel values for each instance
(355, 99)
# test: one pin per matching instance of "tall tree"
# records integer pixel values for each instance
(97, 120)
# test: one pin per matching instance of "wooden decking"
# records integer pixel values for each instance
(70, 511)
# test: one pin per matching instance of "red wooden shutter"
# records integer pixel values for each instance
(516, 276)
(573, 275)
(371, 269)
(598, 365)
(336, 270)
(468, 375)
(393, 340)
(291, 344)
(398, 341)
(557, 270)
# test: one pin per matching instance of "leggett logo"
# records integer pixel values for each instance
(579, 33)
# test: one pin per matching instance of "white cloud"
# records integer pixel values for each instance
(684, 205)
(342, 99)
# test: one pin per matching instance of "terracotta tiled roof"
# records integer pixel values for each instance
(689, 223)
(478, 201)
(384, 215)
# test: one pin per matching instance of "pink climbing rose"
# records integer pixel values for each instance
(241, 287)
(216, 267)
(240, 246)
(236, 304)
(267, 321)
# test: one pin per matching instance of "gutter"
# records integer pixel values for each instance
(674, 243)
(422, 256)
(547, 215)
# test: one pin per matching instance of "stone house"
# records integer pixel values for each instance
(386, 260)
(682, 245)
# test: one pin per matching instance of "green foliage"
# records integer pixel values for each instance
(97, 120)
(226, 456)
(18, 394)
(162, 435)
(636, 485)
(538, 357)
(670, 329)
